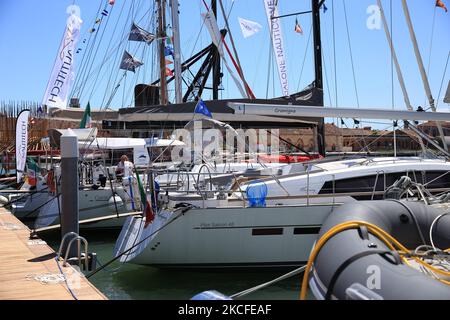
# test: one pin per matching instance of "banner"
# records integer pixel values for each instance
(56, 94)
(213, 28)
(21, 143)
(278, 44)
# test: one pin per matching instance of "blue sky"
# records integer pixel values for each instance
(31, 32)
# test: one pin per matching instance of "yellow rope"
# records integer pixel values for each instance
(375, 230)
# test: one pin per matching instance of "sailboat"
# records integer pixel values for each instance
(271, 222)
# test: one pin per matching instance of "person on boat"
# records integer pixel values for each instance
(124, 167)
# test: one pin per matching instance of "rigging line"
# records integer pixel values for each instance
(86, 64)
(392, 58)
(431, 44)
(105, 56)
(117, 55)
(304, 58)
(442, 81)
(334, 53)
(72, 94)
(96, 51)
(351, 54)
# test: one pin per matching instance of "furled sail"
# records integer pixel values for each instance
(213, 28)
(21, 143)
(278, 44)
(62, 76)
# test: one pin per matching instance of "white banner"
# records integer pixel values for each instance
(58, 87)
(278, 44)
(249, 28)
(213, 28)
(21, 143)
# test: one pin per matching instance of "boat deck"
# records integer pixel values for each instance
(28, 269)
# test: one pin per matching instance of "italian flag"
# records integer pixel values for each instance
(33, 170)
(146, 205)
(87, 119)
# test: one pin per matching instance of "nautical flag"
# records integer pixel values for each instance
(169, 73)
(201, 108)
(98, 21)
(111, 2)
(168, 62)
(249, 28)
(146, 205)
(169, 41)
(87, 119)
(105, 13)
(129, 63)
(168, 51)
(33, 170)
(139, 34)
(298, 28)
(92, 30)
(441, 4)
(325, 9)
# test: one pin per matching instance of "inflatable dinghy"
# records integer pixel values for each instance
(381, 250)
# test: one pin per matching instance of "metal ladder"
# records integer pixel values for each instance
(89, 259)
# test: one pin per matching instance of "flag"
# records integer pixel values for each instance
(129, 63)
(298, 28)
(169, 73)
(105, 13)
(146, 205)
(87, 119)
(441, 4)
(249, 28)
(111, 2)
(33, 169)
(168, 51)
(139, 34)
(169, 41)
(21, 143)
(168, 62)
(201, 108)
(325, 9)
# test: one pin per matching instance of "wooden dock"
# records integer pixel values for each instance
(29, 271)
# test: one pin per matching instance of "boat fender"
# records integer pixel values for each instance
(211, 295)
(3, 200)
(112, 203)
(358, 292)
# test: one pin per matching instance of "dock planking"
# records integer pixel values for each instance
(21, 260)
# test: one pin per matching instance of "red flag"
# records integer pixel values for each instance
(111, 2)
(149, 215)
(440, 4)
(298, 28)
(169, 73)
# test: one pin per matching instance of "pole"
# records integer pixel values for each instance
(425, 81)
(162, 57)
(318, 71)
(177, 50)
(69, 188)
(216, 60)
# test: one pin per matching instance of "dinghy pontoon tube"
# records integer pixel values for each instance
(355, 263)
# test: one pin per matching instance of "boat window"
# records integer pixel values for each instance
(267, 232)
(307, 230)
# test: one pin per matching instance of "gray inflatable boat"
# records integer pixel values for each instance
(354, 263)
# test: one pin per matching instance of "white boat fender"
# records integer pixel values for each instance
(115, 200)
(3, 200)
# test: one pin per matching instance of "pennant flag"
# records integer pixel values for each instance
(33, 169)
(129, 63)
(139, 34)
(92, 30)
(87, 119)
(168, 62)
(168, 51)
(98, 21)
(169, 73)
(146, 205)
(105, 13)
(249, 28)
(441, 4)
(111, 2)
(40, 110)
(202, 109)
(298, 28)
(169, 41)
(325, 9)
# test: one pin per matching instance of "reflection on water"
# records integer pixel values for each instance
(127, 281)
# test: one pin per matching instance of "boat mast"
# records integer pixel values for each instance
(316, 4)
(162, 57)
(177, 51)
(217, 72)
(422, 70)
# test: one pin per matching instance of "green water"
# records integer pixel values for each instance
(127, 281)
